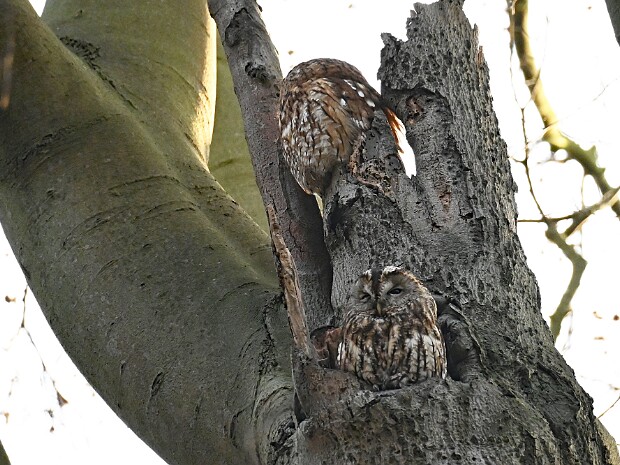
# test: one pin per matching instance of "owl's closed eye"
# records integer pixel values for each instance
(390, 336)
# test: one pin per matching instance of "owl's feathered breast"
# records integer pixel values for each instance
(393, 350)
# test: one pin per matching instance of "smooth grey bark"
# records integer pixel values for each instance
(160, 288)
(229, 154)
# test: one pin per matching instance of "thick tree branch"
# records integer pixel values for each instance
(126, 247)
(229, 157)
(256, 74)
(289, 283)
(454, 225)
(153, 279)
(171, 85)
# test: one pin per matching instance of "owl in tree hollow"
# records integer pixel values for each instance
(326, 106)
(390, 336)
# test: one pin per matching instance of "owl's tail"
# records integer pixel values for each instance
(404, 150)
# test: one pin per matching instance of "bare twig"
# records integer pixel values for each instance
(579, 216)
(59, 397)
(588, 159)
(609, 408)
(559, 239)
(579, 266)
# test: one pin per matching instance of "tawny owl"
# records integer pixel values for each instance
(326, 106)
(390, 336)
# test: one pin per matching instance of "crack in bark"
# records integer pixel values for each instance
(156, 385)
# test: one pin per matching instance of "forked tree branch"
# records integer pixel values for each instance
(579, 267)
(588, 160)
(256, 75)
(580, 216)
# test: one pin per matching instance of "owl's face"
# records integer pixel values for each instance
(376, 290)
(390, 337)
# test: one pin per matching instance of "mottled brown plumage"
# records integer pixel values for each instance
(390, 336)
(326, 106)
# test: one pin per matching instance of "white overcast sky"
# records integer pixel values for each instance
(580, 60)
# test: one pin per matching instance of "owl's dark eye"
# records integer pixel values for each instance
(395, 291)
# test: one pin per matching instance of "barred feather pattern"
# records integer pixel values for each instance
(325, 106)
(390, 336)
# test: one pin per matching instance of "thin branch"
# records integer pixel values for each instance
(559, 239)
(59, 397)
(579, 217)
(609, 408)
(539, 220)
(588, 159)
(526, 166)
(579, 266)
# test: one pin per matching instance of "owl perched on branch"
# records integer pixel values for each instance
(326, 107)
(390, 336)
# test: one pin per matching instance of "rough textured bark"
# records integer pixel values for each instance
(613, 7)
(511, 398)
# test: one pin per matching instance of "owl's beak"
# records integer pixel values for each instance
(379, 308)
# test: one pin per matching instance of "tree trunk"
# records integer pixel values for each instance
(613, 7)
(162, 289)
(4, 460)
(510, 398)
